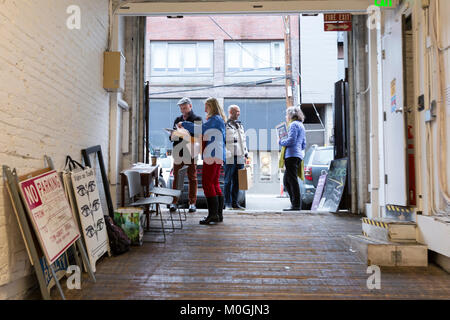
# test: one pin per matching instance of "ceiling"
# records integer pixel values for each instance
(155, 7)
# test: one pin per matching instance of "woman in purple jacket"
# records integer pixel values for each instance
(294, 143)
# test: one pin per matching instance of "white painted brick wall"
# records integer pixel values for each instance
(51, 100)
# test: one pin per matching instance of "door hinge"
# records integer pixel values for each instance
(383, 54)
(384, 116)
(385, 179)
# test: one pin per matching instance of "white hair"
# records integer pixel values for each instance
(295, 113)
(233, 106)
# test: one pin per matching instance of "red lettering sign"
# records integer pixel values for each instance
(31, 194)
(337, 17)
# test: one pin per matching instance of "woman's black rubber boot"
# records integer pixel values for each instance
(213, 206)
(221, 200)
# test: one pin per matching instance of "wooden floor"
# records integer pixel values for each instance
(256, 256)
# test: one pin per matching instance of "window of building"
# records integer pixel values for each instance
(260, 116)
(254, 57)
(181, 58)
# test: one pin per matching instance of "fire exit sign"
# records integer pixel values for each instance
(337, 21)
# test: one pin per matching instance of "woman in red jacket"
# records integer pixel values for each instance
(214, 134)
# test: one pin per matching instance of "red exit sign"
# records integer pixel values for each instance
(337, 17)
(337, 21)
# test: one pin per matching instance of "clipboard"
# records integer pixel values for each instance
(281, 130)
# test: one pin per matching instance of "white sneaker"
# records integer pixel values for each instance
(192, 208)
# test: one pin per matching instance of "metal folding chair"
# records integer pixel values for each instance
(135, 193)
(176, 193)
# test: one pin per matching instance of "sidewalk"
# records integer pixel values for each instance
(266, 202)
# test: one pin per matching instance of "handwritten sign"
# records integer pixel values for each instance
(90, 211)
(334, 186)
(50, 214)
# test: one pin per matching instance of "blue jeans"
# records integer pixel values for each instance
(232, 182)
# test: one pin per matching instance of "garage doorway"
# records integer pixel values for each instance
(265, 161)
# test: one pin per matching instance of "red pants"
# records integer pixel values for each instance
(210, 179)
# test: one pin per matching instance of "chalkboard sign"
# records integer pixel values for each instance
(334, 186)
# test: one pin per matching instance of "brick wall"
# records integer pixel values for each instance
(203, 28)
(51, 102)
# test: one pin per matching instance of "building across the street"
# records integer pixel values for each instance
(241, 60)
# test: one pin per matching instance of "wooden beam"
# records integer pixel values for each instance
(242, 7)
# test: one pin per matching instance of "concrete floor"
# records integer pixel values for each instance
(255, 256)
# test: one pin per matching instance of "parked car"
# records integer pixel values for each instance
(166, 165)
(316, 162)
(201, 199)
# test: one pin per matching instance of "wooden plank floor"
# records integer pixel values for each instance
(256, 256)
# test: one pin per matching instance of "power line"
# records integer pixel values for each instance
(211, 73)
(238, 42)
(221, 86)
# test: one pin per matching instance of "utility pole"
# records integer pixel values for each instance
(288, 61)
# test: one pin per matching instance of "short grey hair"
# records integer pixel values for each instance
(184, 101)
(295, 113)
(233, 106)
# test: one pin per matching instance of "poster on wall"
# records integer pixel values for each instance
(50, 213)
(85, 200)
(393, 96)
(265, 167)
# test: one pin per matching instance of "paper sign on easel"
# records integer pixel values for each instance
(50, 214)
(87, 198)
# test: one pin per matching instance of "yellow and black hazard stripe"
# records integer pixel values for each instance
(375, 223)
(365, 234)
(398, 209)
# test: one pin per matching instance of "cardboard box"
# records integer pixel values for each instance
(245, 179)
(131, 220)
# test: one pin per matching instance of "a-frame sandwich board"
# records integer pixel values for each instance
(32, 245)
